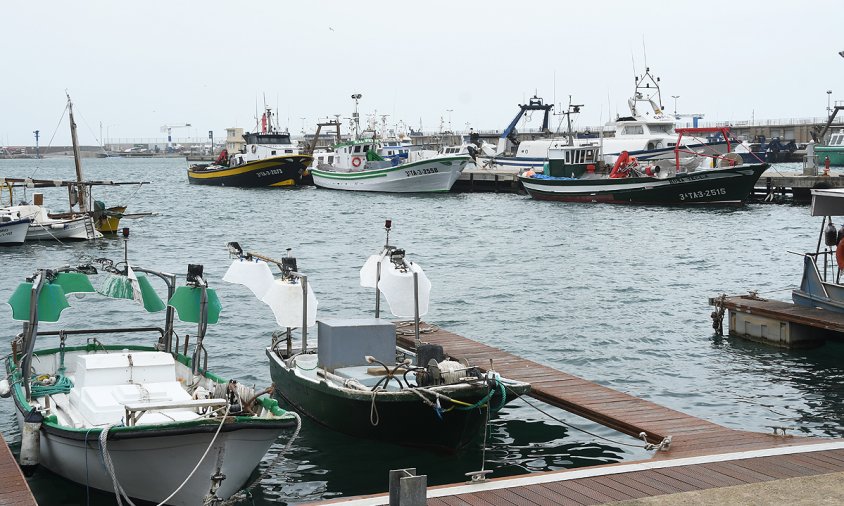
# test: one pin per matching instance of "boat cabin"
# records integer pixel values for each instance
(565, 160)
(836, 139)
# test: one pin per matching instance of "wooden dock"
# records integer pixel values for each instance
(780, 323)
(14, 490)
(701, 454)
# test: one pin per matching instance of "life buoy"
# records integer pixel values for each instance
(355, 161)
(254, 148)
(839, 254)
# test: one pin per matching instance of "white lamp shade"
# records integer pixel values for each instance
(285, 299)
(369, 271)
(397, 288)
(253, 275)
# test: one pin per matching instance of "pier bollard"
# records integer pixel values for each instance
(407, 489)
(412, 490)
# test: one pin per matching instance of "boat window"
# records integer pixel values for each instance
(590, 155)
(330, 159)
(272, 152)
(356, 149)
(633, 130)
(660, 129)
(288, 151)
(836, 139)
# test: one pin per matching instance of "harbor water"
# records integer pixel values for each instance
(614, 294)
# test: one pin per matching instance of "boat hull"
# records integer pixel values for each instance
(431, 175)
(152, 466)
(75, 229)
(285, 170)
(721, 186)
(405, 420)
(109, 222)
(13, 233)
(519, 164)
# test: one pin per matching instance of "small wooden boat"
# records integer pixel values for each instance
(146, 422)
(358, 381)
(13, 228)
(575, 174)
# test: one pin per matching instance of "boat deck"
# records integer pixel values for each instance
(702, 454)
(14, 490)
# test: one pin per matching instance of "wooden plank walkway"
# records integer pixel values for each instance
(14, 490)
(625, 413)
(702, 455)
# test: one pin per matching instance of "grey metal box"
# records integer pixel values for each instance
(345, 342)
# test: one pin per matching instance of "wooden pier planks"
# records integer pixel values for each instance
(14, 490)
(617, 410)
(654, 482)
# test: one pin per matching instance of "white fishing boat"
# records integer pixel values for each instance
(358, 167)
(648, 134)
(43, 226)
(145, 422)
(13, 228)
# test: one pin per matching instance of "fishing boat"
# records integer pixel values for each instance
(648, 134)
(357, 380)
(574, 176)
(358, 167)
(269, 158)
(146, 422)
(13, 228)
(833, 149)
(821, 284)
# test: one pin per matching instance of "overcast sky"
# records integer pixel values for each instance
(135, 66)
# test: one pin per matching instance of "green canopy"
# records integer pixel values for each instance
(186, 302)
(74, 282)
(118, 286)
(51, 302)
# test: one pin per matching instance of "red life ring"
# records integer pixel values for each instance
(356, 161)
(839, 254)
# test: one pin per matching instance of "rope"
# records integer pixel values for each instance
(374, 419)
(42, 385)
(213, 440)
(109, 465)
(647, 445)
(246, 492)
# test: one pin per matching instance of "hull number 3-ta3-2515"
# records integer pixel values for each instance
(714, 192)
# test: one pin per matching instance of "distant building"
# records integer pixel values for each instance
(234, 140)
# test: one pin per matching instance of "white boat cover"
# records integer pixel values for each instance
(828, 202)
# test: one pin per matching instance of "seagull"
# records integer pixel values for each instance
(332, 29)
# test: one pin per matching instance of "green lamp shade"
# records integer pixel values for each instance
(51, 302)
(74, 282)
(118, 286)
(186, 303)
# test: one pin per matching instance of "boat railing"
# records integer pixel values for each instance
(135, 411)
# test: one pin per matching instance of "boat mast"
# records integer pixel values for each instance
(77, 159)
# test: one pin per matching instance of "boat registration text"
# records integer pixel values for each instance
(715, 192)
(420, 172)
